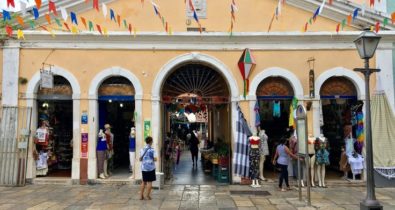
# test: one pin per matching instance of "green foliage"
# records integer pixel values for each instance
(13, 23)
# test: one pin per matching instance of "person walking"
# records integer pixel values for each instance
(147, 158)
(283, 153)
(194, 147)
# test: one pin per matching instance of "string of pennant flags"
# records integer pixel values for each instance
(53, 17)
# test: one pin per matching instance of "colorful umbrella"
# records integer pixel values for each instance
(246, 65)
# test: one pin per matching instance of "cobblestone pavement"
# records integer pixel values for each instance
(184, 197)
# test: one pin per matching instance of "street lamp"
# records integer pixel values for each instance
(366, 44)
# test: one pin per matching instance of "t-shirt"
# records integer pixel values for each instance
(148, 163)
(132, 144)
(101, 144)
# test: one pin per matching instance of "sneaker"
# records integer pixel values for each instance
(283, 190)
(101, 176)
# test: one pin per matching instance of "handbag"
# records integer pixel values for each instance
(141, 158)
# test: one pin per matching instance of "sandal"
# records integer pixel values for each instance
(142, 198)
(149, 197)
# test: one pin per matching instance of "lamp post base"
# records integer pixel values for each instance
(370, 205)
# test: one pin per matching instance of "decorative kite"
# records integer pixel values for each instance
(246, 65)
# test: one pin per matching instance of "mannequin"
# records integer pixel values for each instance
(263, 151)
(101, 149)
(108, 163)
(322, 159)
(254, 160)
(132, 148)
(311, 151)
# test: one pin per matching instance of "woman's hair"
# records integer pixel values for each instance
(148, 140)
(283, 140)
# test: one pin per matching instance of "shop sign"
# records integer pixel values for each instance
(147, 128)
(84, 118)
(84, 145)
(46, 79)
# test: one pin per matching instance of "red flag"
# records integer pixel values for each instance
(166, 27)
(67, 26)
(10, 2)
(330, 2)
(99, 28)
(371, 3)
(191, 7)
(305, 26)
(8, 30)
(338, 28)
(48, 18)
(130, 28)
(96, 4)
(52, 8)
(83, 21)
(377, 27)
(119, 20)
(38, 4)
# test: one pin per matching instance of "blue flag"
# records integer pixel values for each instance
(112, 15)
(355, 14)
(35, 12)
(195, 16)
(6, 15)
(73, 18)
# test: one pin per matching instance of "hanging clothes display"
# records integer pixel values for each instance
(276, 109)
(241, 158)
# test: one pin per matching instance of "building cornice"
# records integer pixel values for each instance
(195, 41)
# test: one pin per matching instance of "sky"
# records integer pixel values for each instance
(3, 4)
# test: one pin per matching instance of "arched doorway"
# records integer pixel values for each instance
(55, 120)
(117, 108)
(339, 102)
(196, 106)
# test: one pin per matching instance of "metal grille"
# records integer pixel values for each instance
(14, 138)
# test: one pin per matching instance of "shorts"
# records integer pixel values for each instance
(149, 176)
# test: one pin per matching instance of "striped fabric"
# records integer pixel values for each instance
(241, 158)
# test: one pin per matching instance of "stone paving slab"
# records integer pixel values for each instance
(205, 197)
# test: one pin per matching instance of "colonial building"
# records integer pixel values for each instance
(132, 78)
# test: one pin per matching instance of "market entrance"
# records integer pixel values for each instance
(116, 110)
(342, 116)
(274, 98)
(53, 140)
(196, 126)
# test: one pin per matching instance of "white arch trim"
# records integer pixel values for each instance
(115, 71)
(94, 115)
(276, 72)
(195, 57)
(358, 82)
(34, 82)
(31, 91)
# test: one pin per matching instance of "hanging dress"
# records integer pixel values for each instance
(276, 109)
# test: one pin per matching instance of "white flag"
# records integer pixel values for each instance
(104, 8)
(321, 7)
(363, 9)
(23, 7)
(64, 13)
(279, 7)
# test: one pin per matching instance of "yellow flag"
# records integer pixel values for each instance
(105, 32)
(20, 34)
(135, 31)
(74, 29)
(170, 31)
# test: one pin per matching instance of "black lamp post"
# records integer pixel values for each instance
(366, 44)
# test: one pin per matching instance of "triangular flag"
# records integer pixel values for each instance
(338, 28)
(52, 8)
(20, 34)
(119, 20)
(305, 26)
(105, 32)
(32, 24)
(38, 4)
(130, 28)
(99, 28)
(83, 21)
(96, 4)
(125, 24)
(23, 7)
(330, 2)
(6, 15)
(91, 26)
(393, 17)
(371, 3)
(10, 2)
(58, 22)
(20, 21)
(73, 18)
(35, 12)
(166, 27)
(377, 27)
(385, 22)
(64, 13)
(67, 26)
(8, 29)
(48, 18)
(321, 7)
(104, 8)
(343, 23)
(355, 13)
(349, 18)
(112, 15)
(74, 29)
(371, 28)
(363, 9)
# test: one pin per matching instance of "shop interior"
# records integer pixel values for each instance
(55, 116)
(116, 108)
(195, 105)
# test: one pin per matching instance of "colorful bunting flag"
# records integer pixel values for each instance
(355, 14)
(321, 7)
(48, 18)
(385, 22)
(38, 4)
(32, 24)
(349, 18)
(58, 22)
(338, 27)
(64, 13)
(20, 21)
(105, 32)
(73, 17)
(246, 64)
(67, 26)
(119, 20)
(35, 13)
(306, 26)
(10, 2)
(96, 5)
(6, 15)
(20, 34)
(99, 28)
(125, 24)
(112, 15)
(343, 23)
(74, 29)
(52, 8)
(104, 8)
(83, 21)
(91, 26)
(130, 28)
(377, 27)
(8, 29)
(393, 17)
